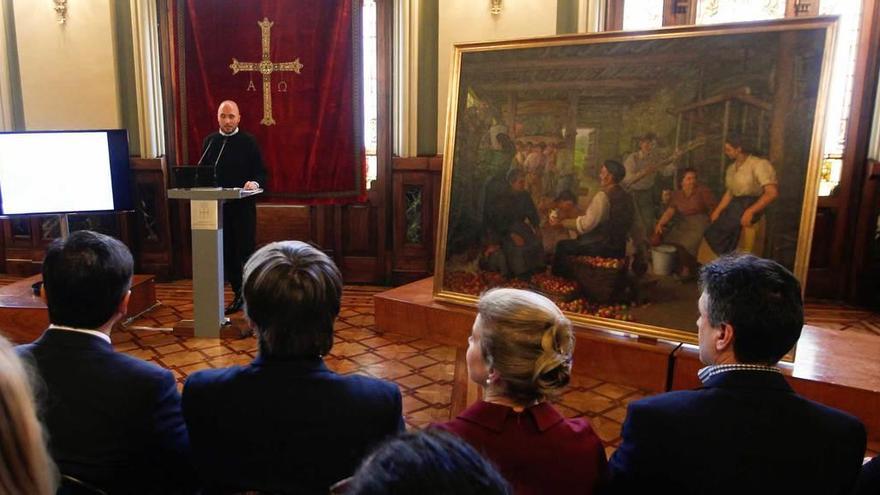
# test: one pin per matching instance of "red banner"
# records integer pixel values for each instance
(294, 67)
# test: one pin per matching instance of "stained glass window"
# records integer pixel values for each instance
(642, 14)
(718, 11)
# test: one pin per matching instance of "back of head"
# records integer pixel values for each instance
(292, 293)
(86, 276)
(427, 463)
(528, 341)
(761, 299)
(25, 465)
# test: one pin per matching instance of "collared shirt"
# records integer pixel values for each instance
(597, 212)
(749, 177)
(96, 333)
(233, 133)
(700, 201)
(709, 371)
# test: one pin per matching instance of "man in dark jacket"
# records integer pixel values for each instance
(604, 228)
(285, 422)
(113, 421)
(745, 430)
(235, 156)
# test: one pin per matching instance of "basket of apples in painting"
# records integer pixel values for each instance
(464, 282)
(557, 289)
(584, 307)
(493, 279)
(603, 279)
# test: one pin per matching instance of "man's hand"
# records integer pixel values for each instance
(251, 185)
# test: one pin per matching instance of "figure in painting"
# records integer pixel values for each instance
(513, 219)
(567, 176)
(641, 172)
(685, 220)
(564, 205)
(604, 228)
(737, 221)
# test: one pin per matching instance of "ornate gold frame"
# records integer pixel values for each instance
(808, 211)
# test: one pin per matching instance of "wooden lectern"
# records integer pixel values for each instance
(206, 219)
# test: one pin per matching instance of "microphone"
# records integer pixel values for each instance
(211, 143)
(219, 153)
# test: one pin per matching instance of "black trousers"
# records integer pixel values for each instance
(239, 237)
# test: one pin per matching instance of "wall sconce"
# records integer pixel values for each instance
(496, 7)
(61, 10)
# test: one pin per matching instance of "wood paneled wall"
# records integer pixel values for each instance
(415, 212)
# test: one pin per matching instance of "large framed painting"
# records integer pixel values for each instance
(602, 170)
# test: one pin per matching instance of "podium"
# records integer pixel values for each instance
(206, 220)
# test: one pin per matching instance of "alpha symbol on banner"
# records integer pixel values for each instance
(266, 67)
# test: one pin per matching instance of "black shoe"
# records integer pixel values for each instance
(235, 306)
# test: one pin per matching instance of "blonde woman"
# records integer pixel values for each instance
(520, 352)
(25, 465)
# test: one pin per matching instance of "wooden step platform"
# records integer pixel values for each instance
(841, 370)
(23, 315)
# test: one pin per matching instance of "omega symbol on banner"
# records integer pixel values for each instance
(266, 67)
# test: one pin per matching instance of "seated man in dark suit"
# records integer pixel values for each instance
(286, 423)
(745, 430)
(113, 421)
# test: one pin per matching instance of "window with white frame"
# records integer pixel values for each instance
(840, 91)
(371, 86)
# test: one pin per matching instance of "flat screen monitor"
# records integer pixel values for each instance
(47, 172)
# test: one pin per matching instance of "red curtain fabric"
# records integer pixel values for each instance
(314, 151)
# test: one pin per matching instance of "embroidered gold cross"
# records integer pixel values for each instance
(266, 67)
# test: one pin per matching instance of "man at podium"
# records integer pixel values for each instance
(237, 161)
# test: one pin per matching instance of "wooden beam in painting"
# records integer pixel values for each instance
(601, 85)
(740, 94)
(653, 60)
(782, 98)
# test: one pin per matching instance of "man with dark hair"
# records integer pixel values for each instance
(744, 430)
(113, 421)
(512, 218)
(604, 228)
(286, 423)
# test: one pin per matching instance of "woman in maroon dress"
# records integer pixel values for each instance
(520, 352)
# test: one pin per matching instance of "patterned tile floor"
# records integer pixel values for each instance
(430, 375)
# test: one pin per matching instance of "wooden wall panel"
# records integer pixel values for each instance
(152, 224)
(284, 222)
(413, 254)
(359, 230)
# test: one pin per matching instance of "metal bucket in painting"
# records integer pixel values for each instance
(663, 259)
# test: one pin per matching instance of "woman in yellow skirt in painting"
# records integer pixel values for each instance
(738, 223)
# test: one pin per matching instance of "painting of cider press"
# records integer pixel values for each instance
(602, 170)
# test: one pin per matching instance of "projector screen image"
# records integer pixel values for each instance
(64, 172)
